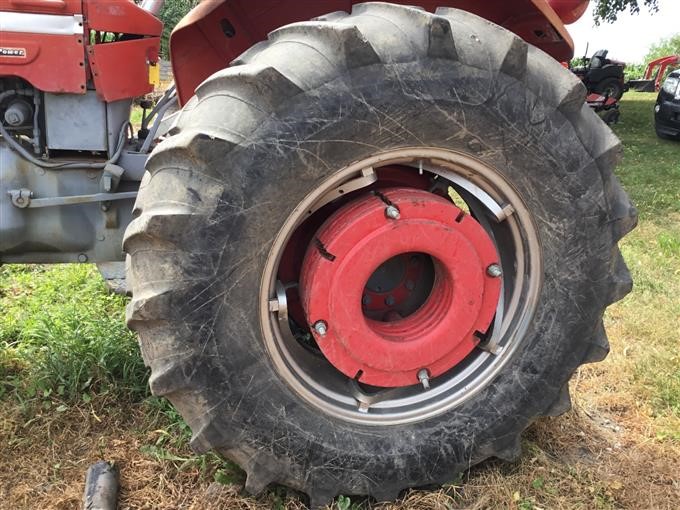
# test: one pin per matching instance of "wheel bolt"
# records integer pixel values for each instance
(424, 378)
(392, 212)
(389, 300)
(494, 270)
(366, 300)
(321, 328)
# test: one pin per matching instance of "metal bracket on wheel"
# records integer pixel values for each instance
(366, 400)
(280, 303)
(368, 177)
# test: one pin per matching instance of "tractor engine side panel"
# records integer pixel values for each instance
(120, 68)
(73, 233)
(44, 49)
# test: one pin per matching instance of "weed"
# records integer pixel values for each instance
(63, 338)
(648, 320)
(651, 168)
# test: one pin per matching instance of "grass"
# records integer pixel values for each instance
(63, 338)
(648, 321)
(73, 390)
(136, 117)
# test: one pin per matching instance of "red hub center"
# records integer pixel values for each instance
(340, 267)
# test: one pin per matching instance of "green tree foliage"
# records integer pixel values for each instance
(608, 10)
(665, 47)
(171, 14)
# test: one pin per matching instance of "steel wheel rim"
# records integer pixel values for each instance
(499, 208)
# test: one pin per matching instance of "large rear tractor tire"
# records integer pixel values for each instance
(375, 249)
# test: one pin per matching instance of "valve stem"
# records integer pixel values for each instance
(424, 378)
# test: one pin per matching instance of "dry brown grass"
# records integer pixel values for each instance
(593, 457)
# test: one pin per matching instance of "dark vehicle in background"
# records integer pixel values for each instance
(602, 75)
(667, 109)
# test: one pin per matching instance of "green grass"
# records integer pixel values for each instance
(648, 320)
(63, 337)
(651, 168)
(136, 117)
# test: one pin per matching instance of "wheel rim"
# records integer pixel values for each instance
(329, 368)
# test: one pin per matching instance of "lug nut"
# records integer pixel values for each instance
(424, 378)
(494, 270)
(321, 328)
(392, 212)
(389, 300)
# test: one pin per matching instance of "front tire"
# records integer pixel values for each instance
(223, 197)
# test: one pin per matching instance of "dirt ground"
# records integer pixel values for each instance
(599, 455)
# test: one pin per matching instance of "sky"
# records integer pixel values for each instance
(629, 38)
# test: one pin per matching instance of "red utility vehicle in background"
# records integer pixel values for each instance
(655, 73)
(370, 248)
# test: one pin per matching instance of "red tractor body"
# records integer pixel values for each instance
(38, 33)
(45, 42)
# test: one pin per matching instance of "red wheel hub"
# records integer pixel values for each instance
(358, 239)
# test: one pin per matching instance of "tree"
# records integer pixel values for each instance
(172, 13)
(665, 47)
(608, 10)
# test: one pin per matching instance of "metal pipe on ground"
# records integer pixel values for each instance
(101, 487)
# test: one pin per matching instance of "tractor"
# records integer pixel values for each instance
(655, 74)
(367, 244)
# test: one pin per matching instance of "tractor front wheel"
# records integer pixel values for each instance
(375, 249)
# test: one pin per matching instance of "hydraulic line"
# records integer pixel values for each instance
(67, 165)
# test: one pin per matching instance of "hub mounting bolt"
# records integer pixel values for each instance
(424, 378)
(494, 270)
(392, 212)
(321, 328)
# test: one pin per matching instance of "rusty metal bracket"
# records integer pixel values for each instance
(21, 198)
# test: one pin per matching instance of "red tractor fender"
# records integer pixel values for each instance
(217, 31)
